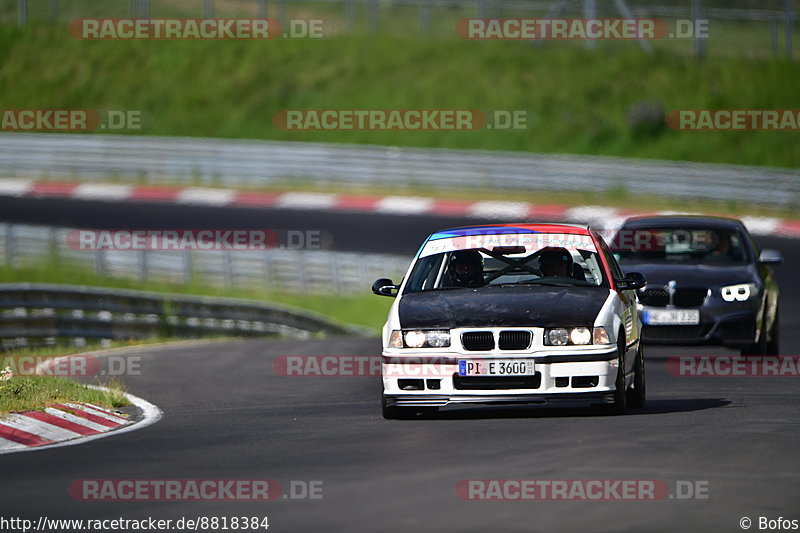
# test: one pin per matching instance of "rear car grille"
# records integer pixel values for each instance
(483, 341)
(684, 297)
(674, 333)
(515, 340)
(477, 341)
(493, 383)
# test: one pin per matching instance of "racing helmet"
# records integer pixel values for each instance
(466, 268)
(550, 258)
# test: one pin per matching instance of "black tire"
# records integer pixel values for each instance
(637, 396)
(774, 344)
(759, 348)
(620, 405)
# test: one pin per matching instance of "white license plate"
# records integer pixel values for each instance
(495, 367)
(671, 317)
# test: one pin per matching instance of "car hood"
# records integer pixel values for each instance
(520, 306)
(697, 275)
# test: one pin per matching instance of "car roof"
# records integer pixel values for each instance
(525, 227)
(694, 221)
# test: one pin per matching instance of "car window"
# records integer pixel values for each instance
(681, 245)
(567, 265)
(616, 271)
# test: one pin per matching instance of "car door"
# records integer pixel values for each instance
(630, 318)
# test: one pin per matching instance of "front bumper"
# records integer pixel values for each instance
(564, 378)
(734, 325)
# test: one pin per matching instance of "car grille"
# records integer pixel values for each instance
(515, 340)
(477, 341)
(674, 333)
(684, 297)
(654, 297)
(495, 382)
(483, 341)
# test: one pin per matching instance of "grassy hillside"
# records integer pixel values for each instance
(579, 101)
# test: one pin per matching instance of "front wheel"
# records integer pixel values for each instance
(620, 405)
(773, 345)
(637, 396)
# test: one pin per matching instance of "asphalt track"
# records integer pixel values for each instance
(229, 416)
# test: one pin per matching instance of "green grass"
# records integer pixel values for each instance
(364, 309)
(578, 101)
(25, 393)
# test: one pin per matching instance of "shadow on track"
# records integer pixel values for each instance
(654, 407)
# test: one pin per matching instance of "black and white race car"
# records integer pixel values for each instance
(517, 313)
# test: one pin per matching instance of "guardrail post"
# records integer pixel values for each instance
(23, 12)
(349, 15)
(142, 263)
(208, 8)
(53, 11)
(337, 282)
(261, 11)
(100, 262)
(10, 245)
(425, 17)
(227, 261)
(774, 35)
(590, 12)
(697, 14)
(787, 7)
(53, 248)
(280, 11)
(187, 266)
(372, 16)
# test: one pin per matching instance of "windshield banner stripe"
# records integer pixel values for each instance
(531, 242)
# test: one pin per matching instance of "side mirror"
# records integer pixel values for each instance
(385, 287)
(631, 281)
(770, 257)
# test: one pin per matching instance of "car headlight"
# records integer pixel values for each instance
(580, 336)
(738, 293)
(420, 339)
(601, 335)
(576, 336)
(396, 339)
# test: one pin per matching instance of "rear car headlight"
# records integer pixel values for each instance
(564, 336)
(738, 293)
(423, 339)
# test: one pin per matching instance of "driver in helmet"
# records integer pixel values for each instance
(555, 262)
(466, 268)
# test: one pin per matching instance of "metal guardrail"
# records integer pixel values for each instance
(50, 313)
(373, 14)
(249, 163)
(280, 270)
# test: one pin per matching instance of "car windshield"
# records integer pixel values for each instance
(681, 245)
(510, 260)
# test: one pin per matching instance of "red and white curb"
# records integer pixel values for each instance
(67, 424)
(603, 217)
